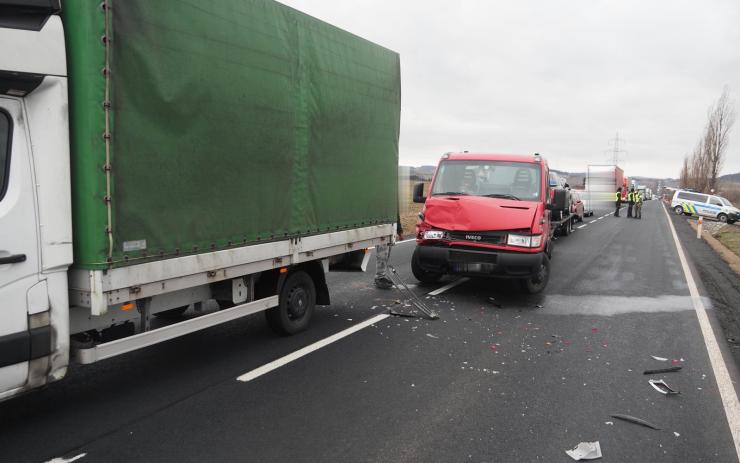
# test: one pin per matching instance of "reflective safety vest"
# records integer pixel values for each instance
(631, 197)
(618, 196)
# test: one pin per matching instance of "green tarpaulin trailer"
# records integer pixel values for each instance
(200, 126)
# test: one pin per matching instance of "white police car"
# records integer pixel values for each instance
(716, 207)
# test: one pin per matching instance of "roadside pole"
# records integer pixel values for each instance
(699, 226)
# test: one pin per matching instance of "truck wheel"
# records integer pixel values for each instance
(537, 282)
(419, 273)
(722, 218)
(172, 314)
(678, 210)
(297, 303)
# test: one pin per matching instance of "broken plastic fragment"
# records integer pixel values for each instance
(660, 386)
(432, 336)
(661, 370)
(660, 359)
(585, 451)
(635, 420)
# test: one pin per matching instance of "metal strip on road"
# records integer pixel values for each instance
(264, 369)
(451, 285)
(721, 374)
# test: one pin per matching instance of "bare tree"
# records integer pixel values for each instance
(717, 137)
(684, 180)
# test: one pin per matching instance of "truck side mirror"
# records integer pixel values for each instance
(419, 193)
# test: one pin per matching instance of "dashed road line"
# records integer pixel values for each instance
(584, 225)
(721, 374)
(451, 285)
(275, 364)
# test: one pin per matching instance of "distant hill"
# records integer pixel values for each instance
(730, 178)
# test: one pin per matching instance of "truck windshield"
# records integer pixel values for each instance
(495, 179)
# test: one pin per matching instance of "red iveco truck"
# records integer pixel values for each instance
(488, 215)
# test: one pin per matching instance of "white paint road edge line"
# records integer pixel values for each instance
(67, 460)
(275, 364)
(451, 285)
(721, 374)
(398, 242)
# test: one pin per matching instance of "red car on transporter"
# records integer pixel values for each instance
(486, 215)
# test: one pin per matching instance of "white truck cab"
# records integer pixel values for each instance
(35, 211)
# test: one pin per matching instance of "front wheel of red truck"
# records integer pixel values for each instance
(537, 282)
(420, 274)
(297, 304)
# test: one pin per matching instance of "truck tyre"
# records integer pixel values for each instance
(172, 314)
(722, 218)
(678, 210)
(419, 273)
(536, 283)
(296, 306)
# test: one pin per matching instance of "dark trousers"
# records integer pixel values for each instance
(629, 209)
(619, 205)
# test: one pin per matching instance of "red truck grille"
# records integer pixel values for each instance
(479, 237)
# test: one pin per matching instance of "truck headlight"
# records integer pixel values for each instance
(434, 235)
(524, 241)
(519, 240)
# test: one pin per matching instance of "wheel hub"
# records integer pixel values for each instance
(297, 303)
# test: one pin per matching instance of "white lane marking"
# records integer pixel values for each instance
(398, 242)
(444, 288)
(584, 225)
(724, 383)
(275, 364)
(64, 460)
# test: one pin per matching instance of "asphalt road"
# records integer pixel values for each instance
(492, 380)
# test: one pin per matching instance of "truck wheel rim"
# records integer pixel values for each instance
(297, 303)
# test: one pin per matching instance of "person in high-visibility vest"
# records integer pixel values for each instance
(638, 205)
(619, 201)
(630, 201)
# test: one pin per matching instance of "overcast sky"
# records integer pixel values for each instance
(559, 77)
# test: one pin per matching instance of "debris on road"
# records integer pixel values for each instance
(661, 386)
(414, 299)
(585, 451)
(538, 306)
(609, 423)
(661, 370)
(430, 335)
(660, 359)
(635, 420)
(492, 300)
(676, 434)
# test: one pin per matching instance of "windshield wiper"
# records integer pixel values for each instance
(451, 193)
(499, 195)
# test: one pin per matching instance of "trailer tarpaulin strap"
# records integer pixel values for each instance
(232, 122)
